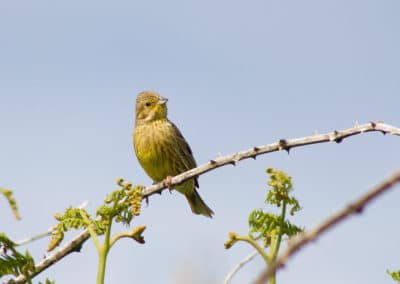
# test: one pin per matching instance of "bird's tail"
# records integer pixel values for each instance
(197, 204)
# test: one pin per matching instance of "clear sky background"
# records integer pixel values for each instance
(237, 74)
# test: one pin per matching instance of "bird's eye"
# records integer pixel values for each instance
(148, 104)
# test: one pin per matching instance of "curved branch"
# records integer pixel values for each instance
(135, 234)
(283, 144)
(296, 243)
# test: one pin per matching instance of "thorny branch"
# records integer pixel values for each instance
(283, 144)
(296, 243)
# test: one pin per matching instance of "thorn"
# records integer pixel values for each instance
(333, 136)
(213, 162)
(356, 209)
(235, 159)
(147, 200)
(254, 157)
(256, 149)
(288, 150)
(383, 132)
(336, 138)
(373, 124)
(78, 248)
(283, 144)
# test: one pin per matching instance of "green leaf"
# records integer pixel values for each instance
(395, 275)
(11, 201)
(13, 262)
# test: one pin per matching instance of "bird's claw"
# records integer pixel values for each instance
(167, 182)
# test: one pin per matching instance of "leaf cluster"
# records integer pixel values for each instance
(121, 205)
(264, 224)
(280, 187)
(13, 262)
(395, 275)
(8, 194)
(73, 218)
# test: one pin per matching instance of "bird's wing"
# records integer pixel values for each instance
(186, 160)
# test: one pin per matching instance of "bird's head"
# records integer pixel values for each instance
(150, 106)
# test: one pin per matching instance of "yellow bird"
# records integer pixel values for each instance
(161, 149)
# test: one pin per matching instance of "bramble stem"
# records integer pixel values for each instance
(91, 232)
(103, 254)
(275, 245)
(105, 249)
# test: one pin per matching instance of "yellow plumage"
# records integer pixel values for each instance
(161, 149)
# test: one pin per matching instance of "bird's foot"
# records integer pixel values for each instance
(167, 182)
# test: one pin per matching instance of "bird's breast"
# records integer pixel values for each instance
(151, 147)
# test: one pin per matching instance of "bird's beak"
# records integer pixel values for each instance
(162, 101)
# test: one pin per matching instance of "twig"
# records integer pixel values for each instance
(335, 136)
(247, 259)
(27, 240)
(296, 243)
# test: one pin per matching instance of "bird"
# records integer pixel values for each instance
(161, 149)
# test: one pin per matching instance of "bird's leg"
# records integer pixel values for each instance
(167, 182)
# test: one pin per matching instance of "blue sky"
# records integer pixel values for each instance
(237, 74)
